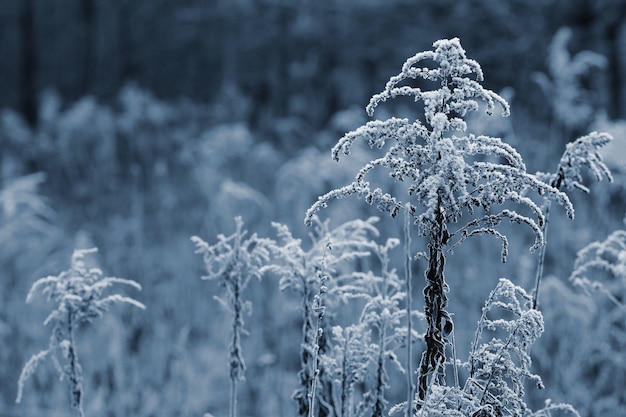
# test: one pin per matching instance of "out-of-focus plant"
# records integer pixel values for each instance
(347, 364)
(233, 261)
(79, 295)
(562, 85)
(317, 275)
(497, 368)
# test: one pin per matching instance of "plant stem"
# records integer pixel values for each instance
(435, 301)
(542, 256)
(409, 299)
(75, 377)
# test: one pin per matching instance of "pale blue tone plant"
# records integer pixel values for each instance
(80, 297)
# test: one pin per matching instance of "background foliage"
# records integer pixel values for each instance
(131, 125)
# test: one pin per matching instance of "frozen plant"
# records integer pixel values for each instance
(346, 364)
(562, 85)
(582, 154)
(318, 275)
(447, 176)
(232, 262)
(606, 259)
(79, 295)
(600, 271)
(497, 367)
(383, 314)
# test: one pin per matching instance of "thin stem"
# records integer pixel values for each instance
(542, 256)
(408, 276)
(235, 354)
(76, 389)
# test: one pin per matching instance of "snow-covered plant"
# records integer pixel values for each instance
(582, 154)
(233, 261)
(80, 297)
(601, 266)
(346, 364)
(317, 275)
(563, 87)
(383, 313)
(498, 366)
(447, 176)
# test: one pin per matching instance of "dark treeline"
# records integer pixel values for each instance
(296, 57)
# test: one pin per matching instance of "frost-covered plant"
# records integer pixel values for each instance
(499, 368)
(448, 176)
(316, 274)
(346, 364)
(582, 154)
(79, 295)
(383, 313)
(601, 266)
(233, 261)
(600, 271)
(562, 85)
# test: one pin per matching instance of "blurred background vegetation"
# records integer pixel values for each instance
(131, 125)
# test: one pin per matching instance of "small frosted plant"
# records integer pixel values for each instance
(600, 271)
(79, 295)
(383, 314)
(448, 177)
(601, 266)
(498, 366)
(233, 261)
(347, 363)
(318, 275)
(579, 156)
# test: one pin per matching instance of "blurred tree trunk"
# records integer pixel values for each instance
(27, 62)
(616, 37)
(128, 69)
(87, 14)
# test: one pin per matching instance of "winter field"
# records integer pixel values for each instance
(341, 208)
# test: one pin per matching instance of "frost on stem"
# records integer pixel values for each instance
(498, 368)
(79, 295)
(232, 262)
(581, 154)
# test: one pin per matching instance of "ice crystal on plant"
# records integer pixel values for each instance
(498, 368)
(233, 261)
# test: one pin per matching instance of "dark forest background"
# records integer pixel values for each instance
(131, 125)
